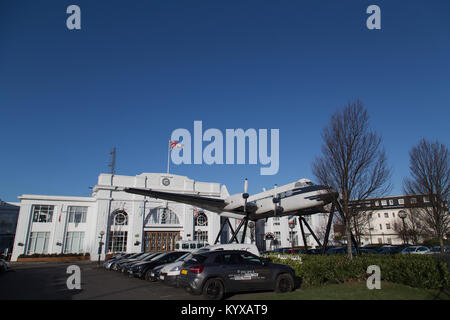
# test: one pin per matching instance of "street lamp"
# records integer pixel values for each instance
(402, 214)
(292, 226)
(100, 243)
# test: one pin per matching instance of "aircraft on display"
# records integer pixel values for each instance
(298, 198)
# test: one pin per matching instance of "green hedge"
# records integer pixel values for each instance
(421, 271)
(42, 255)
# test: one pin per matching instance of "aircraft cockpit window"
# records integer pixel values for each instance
(302, 184)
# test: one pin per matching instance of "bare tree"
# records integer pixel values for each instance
(414, 229)
(429, 165)
(353, 161)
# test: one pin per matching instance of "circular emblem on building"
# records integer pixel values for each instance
(165, 181)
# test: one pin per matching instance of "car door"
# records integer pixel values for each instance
(254, 273)
(227, 265)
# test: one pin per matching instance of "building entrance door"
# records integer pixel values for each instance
(161, 240)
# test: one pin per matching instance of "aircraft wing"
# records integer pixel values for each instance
(211, 204)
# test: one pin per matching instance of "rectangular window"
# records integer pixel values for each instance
(77, 214)
(38, 242)
(413, 200)
(401, 201)
(381, 227)
(393, 214)
(391, 202)
(42, 213)
(118, 241)
(388, 226)
(277, 235)
(74, 242)
(383, 202)
(386, 215)
(201, 236)
(379, 215)
(377, 203)
(426, 199)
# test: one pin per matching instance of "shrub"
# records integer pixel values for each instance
(421, 271)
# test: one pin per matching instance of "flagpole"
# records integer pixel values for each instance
(168, 158)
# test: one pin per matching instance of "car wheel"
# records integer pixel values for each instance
(284, 283)
(213, 289)
(148, 275)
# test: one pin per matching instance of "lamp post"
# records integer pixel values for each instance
(100, 243)
(402, 214)
(292, 226)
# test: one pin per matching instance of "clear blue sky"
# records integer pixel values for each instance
(137, 70)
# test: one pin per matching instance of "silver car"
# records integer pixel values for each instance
(416, 250)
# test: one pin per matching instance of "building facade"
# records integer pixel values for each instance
(112, 220)
(382, 223)
(9, 213)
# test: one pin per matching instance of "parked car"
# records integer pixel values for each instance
(416, 250)
(169, 273)
(125, 267)
(389, 250)
(108, 264)
(143, 269)
(214, 273)
(117, 266)
(437, 250)
(4, 265)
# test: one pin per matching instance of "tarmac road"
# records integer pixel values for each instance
(47, 281)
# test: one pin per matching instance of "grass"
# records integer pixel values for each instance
(359, 291)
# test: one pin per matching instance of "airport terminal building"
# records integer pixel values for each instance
(112, 220)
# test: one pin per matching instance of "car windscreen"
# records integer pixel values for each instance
(158, 256)
(183, 257)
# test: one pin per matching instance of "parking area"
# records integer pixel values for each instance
(47, 281)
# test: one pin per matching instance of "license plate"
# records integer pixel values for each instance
(184, 271)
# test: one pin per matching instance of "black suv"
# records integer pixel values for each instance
(215, 273)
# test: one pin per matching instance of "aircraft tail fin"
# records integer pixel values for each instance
(224, 192)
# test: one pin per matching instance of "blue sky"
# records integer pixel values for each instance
(137, 70)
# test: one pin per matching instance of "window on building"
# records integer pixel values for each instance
(413, 200)
(401, 201)
(293, 237)
(38, 242)
(163, 216)
(379, 216)
(277, 235)
(389, 240)
(386, 215)
(77, 214)
(42, 213)
(393, 214)
(381, 227)
(391, 202)
(120, 218)
(380, 240)
(377, 203)
(383, 202)
(201, 236)
(118, 241)
(426, 199)
(388, 226)
(201, 220)
(74, 242)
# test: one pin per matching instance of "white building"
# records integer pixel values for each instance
(131, 223)
(112, 220)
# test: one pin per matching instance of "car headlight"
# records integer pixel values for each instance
(175, 268)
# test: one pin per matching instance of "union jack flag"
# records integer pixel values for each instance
(175, 144)
(292, 219)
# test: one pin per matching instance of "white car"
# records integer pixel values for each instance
(416, 250)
